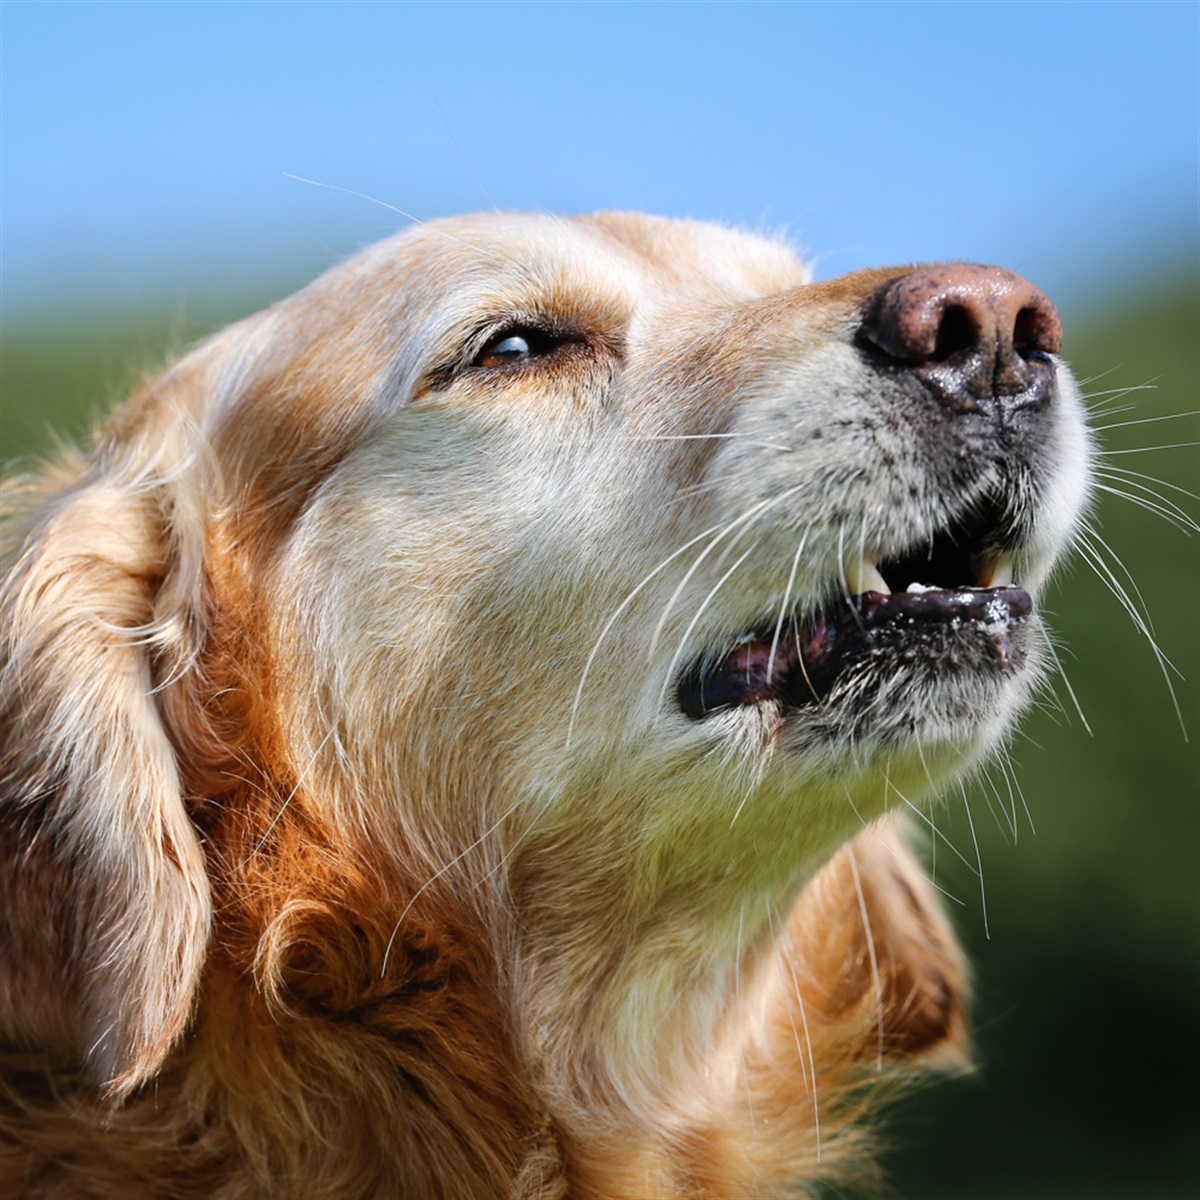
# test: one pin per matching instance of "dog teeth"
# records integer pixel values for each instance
(863, 576)
(1001, 574)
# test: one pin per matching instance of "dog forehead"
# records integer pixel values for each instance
(619, 254)
(344, 351)
(721, 257)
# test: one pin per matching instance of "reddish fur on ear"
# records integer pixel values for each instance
(878, 955)
(864, 988)
(104, 899)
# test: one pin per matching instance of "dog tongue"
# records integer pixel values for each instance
(751, 672)
(752, 666)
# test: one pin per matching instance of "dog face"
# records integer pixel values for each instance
(609, 488)
(609, 564)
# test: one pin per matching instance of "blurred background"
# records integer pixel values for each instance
(154, 162)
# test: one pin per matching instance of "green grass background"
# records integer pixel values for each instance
(1088, 959)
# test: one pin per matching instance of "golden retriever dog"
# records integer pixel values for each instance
(451, 720)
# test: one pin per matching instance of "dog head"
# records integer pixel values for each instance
(610, 562)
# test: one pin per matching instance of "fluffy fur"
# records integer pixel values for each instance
(352, 839)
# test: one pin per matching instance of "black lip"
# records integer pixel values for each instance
(965, 604)
(800, 662)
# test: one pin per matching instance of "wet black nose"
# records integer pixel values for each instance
(979, 337)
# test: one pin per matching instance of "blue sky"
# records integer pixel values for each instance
(148, 149)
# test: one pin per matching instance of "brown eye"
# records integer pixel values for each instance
(516, 346)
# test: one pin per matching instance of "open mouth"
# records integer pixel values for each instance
(949, 606)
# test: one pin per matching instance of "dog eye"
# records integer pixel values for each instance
(516, 346)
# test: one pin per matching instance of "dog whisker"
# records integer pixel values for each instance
(937, 833)
(783, 606)
(872, 956)
(438, 874)
(785, 958)
(1060, 673)
(730, 527)
(741, 1020)
(1170, 512)
(1092, 549)
(1111, 453)
(616, 615)
(262, 841)
(1107, 426)
(987, 933)
(1005, 821)
(1116, 472)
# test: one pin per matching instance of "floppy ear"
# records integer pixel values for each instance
(865, 988)
(893, 959)
(106, 903)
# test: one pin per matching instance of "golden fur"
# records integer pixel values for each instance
(351, 840)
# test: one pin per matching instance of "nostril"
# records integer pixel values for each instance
(934, 312)
(1036, 329)
(958, 331)
(969, 333)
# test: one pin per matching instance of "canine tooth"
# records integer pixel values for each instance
(863, 576)
(920, 587)
(1002, 574)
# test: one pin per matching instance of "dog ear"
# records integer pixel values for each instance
(865, 989)
(106, 902)
(887, 971)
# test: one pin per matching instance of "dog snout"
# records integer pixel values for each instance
(979, 337)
